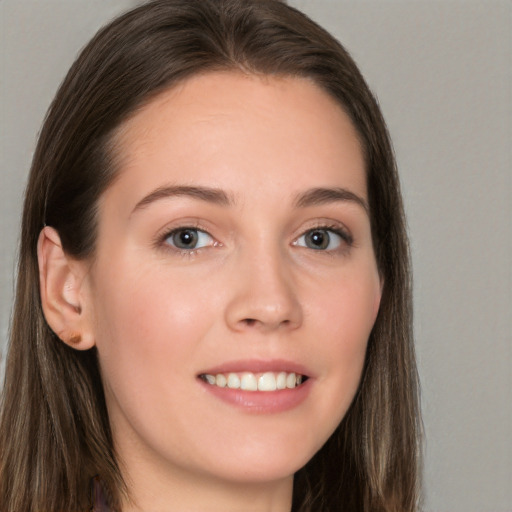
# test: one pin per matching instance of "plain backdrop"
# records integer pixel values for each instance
(442, 71)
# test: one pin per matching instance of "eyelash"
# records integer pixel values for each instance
(343, 233)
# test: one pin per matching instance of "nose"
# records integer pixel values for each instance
(264, 297)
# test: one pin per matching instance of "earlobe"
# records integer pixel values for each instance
(61, 282)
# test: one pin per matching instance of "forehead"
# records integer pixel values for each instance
(215, 126)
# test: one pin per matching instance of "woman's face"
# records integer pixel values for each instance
(234, 246)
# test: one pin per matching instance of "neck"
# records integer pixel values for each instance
(182, 492)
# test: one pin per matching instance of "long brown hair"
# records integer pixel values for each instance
(54, 428)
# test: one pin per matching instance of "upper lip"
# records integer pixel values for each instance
(258, 366)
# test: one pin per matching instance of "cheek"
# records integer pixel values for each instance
(349, 307)
(346, 314)
(147, 326)
(149, 333)
(152, 303)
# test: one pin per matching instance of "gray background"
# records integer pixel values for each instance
(442, 71)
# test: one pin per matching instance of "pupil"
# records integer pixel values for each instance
(319, 239)
(185, 238)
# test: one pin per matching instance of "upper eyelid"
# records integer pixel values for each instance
(169, 229)
(170, 232)
(336, 227)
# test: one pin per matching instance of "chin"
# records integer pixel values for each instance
(263, 463)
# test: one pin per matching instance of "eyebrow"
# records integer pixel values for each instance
(210, 195)
(320, 196)
(313, 197)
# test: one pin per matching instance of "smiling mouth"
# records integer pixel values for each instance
(247, 381)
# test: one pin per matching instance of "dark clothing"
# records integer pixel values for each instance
(99, 501)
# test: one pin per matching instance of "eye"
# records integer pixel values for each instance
(189, 239)
(323, 239)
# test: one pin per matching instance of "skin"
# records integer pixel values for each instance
(254, 290)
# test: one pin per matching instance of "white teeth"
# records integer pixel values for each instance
(233, 381)
(220, 380)
(210, 379)
(281, 380)
(291, 380)
(267, 382)
(247, 381)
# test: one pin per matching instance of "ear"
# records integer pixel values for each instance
(62, 282)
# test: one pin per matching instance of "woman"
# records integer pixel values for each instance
(213, 304)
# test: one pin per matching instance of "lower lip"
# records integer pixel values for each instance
(262, 401)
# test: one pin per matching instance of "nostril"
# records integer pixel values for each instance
(251, 322)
